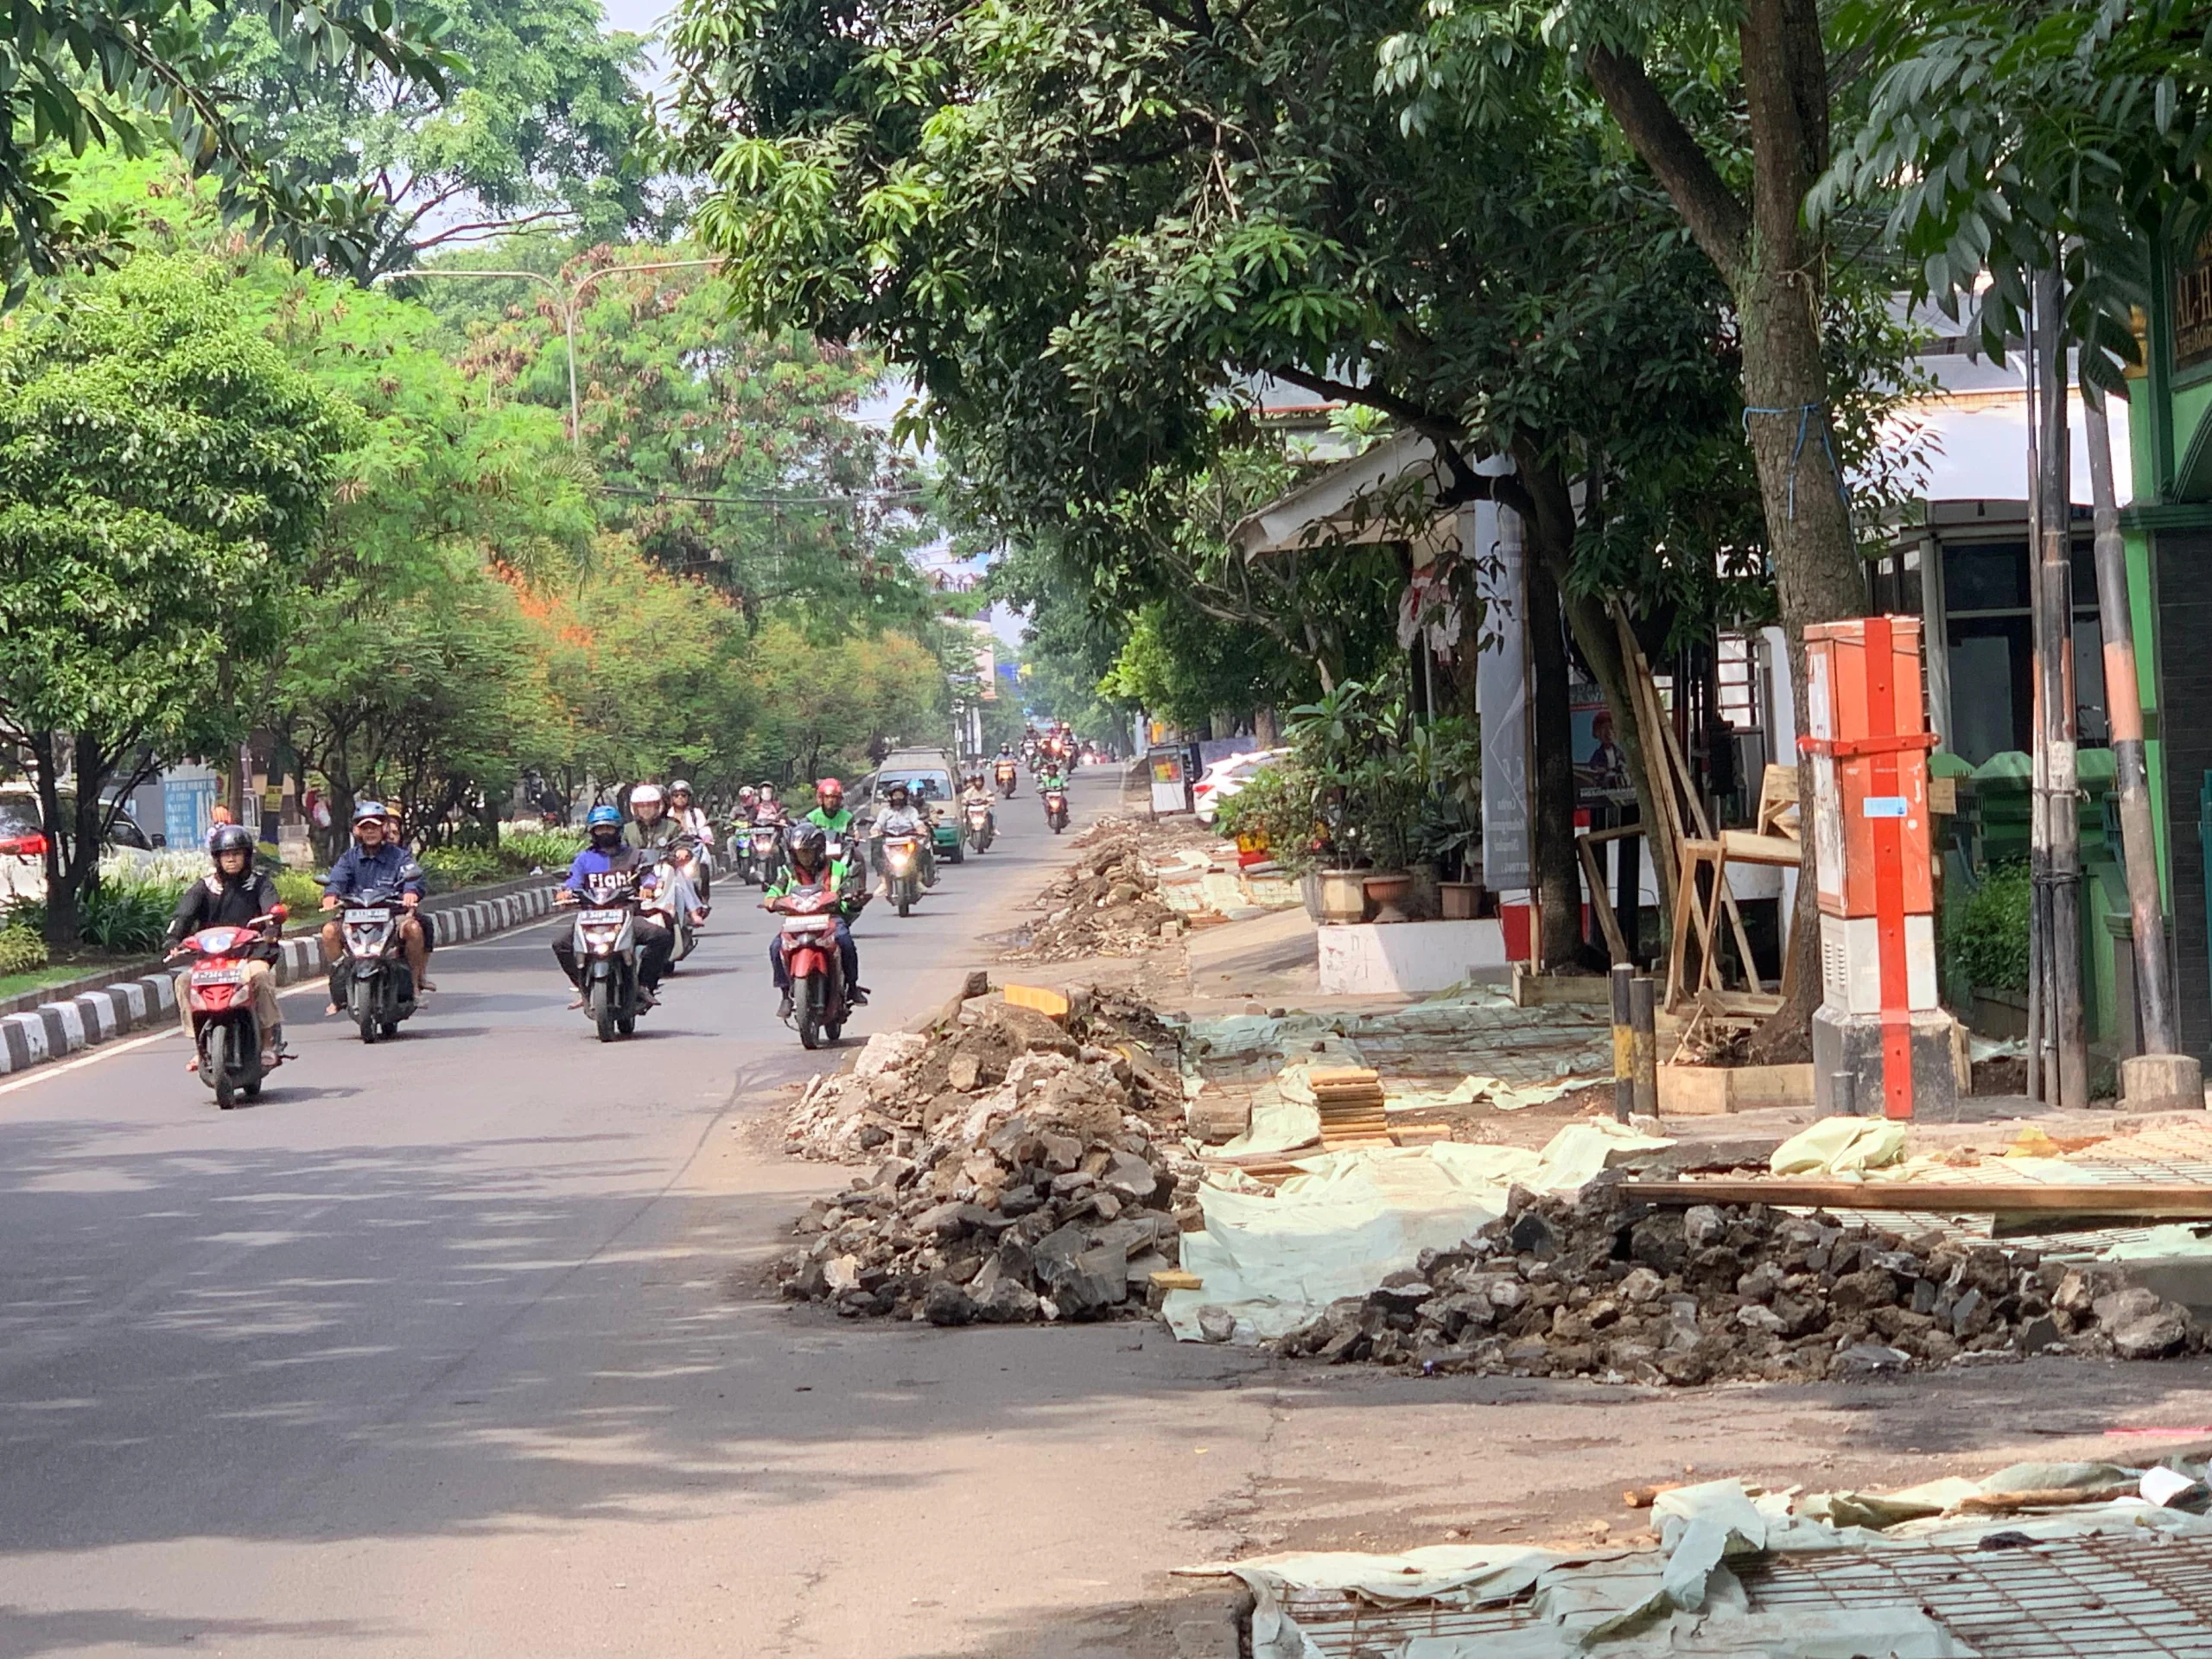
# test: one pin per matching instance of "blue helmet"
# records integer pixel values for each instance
(599, 814)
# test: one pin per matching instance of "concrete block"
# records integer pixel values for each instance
(1394, 958)
(130, 1002)
(65, 1027)
(1847, 1064)
(2161, 1083)
(161, 995)
(25, 1035)
(96, 1011)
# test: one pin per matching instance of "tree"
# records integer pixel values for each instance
(88, 76)
(540, 124)
(162, 471)
(728, 455)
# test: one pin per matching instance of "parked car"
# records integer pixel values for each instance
(22, 841)
(1225, 778)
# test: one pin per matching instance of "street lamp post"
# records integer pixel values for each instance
(570, 299)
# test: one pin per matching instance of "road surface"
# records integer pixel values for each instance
(454, 1348)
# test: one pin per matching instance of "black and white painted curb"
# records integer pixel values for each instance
(53, 1031)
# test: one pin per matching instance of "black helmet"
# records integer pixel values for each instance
(807, 837)
(230, 838)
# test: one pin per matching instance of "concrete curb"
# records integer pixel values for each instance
(54, 1031)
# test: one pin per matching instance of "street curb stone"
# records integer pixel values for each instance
(52, 1030)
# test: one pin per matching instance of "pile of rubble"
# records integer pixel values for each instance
(1592, 1286)
(1027, 1167)
(1107, 904)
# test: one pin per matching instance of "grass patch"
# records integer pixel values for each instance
(39, 978)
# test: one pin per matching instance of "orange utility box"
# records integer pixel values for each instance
(1880, 1033)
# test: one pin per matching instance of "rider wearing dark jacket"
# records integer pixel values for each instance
(226, 898)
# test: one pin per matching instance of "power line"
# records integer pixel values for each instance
(853, 499)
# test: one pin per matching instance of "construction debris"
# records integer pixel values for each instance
(1598, 1284)
(1027, 1167)
(1107, 904)
(2045, 1557)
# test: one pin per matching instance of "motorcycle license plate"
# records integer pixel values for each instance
(601, 918)
(219, 976)
(364, 917)
(806, 923)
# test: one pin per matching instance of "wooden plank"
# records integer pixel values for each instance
(1049, 1004)
(1602, 901)
(2172, 1199)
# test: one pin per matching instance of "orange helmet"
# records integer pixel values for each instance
(830, 793)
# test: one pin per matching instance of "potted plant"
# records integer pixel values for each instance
(1448, 840)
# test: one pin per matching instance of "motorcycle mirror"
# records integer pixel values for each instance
(280, 912)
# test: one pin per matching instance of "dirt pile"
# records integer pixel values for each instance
(1594, 1287)
(1028, 1169)
(1107, 904)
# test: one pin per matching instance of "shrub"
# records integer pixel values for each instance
(21, 948)
(1987, 936)
(461, 867)
(1277, 801)
(128, 917)
(538, 850)
(300, 892)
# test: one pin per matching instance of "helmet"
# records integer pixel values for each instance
(603, 817)
(232, 838)
(646, 795)
(367, 811)
(681, 786)
(748, 793)
(828, 790)
(768, 788)
(895, 791)
(804, 837)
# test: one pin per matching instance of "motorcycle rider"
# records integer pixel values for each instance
(1049, 779)
(978, 793)
(807, 864)
(900, 816)
(692, 820)
(376, 862)
(747, 795)
(230, 895)
(830, 813)
(767, 809)
(650, 826)
(609, 860)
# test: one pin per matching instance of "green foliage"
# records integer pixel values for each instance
(162, 471)
(119, 914)
(81, 76)
(461, 867)
(523, 851)
(1988, 934)
(22, 948)
(1282, 802)
(298, 890)
(540, 121)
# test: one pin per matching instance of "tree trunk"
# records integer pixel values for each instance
(1558, 869)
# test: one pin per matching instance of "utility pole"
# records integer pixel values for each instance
(2057, 783)
(2124, 710)
(570, 299)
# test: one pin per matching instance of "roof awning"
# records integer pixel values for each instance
(1388, 494)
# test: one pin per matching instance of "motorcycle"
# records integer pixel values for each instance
(223, 1028)
(607, 958)
(1006, 773)
(978, 814)
(1056, 809)
(820, 997)
(902, 863)
(372, 981)
(657, 867)
(764, 853)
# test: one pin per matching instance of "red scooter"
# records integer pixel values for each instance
(224, 1027)
(821, 1000)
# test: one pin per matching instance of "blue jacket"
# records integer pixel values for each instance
(387, 868)
(591, 862)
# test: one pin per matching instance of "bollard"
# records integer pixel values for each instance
(1644, 1026)
(1624, 1042)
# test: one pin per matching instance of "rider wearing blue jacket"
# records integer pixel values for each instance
(606, 866)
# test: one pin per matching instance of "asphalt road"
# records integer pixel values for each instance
(447, 1346)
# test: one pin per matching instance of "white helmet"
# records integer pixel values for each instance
(644, 794)
(748, 793)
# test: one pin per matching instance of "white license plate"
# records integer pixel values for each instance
(805, 923)
(602, 918)
(219, 976)
(365, 918)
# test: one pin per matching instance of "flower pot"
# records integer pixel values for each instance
(1457, 899)
(1343, 895)
(1388, 891)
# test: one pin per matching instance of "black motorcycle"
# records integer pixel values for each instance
(373, 982)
